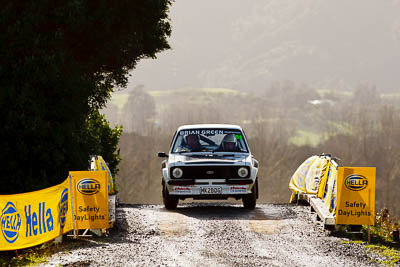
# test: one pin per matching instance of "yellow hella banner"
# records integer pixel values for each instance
(297, 182)
(101, 165)
(307, 178)
(356, 195)
(329, 195)
(90, 199)
(34, 218)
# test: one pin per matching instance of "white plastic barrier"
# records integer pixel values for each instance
(315, 182)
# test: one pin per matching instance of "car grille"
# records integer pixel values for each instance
(210, 172)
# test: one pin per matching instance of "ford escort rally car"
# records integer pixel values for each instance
(209, 161)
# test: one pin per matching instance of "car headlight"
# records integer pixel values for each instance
(177, 172)
(243, 172)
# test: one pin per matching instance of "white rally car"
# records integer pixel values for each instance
(209, 161)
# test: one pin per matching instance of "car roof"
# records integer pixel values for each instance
(210, 126)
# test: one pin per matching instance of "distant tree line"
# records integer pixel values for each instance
(59, 61)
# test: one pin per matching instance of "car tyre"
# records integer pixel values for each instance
(170, 202)
(250, 201)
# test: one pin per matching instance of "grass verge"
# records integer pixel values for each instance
(381, 239)
(391, 255)
(29, 256)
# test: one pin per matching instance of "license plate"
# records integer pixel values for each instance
(210, 190)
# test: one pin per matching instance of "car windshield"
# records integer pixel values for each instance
(209, 140)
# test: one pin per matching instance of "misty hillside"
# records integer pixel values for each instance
(306, 112)
(325, 44)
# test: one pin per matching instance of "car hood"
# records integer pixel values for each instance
(217, 159)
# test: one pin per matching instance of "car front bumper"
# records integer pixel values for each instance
(217, 190)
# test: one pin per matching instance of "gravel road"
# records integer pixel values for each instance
(203, 234)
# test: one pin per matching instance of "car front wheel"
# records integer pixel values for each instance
(250, 201)
(170, 202)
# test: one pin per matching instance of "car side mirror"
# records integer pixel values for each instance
(162, 155)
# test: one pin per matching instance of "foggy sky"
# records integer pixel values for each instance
(248, 44)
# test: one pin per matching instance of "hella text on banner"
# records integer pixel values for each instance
(90, 199)
(33, 218)
(356, 195)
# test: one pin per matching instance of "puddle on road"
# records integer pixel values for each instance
(264, 219)
(172, 224)
(267, 227)
(272, 213)
(267, 221)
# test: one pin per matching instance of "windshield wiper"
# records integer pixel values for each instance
(185, 151)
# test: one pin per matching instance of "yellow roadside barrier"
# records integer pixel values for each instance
(90, 200)
(98, 164)
(356, 196)
(80, 202)
(34, 218)
(340, 195)
(307, 177)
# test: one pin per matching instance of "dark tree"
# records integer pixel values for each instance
(59, 61)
